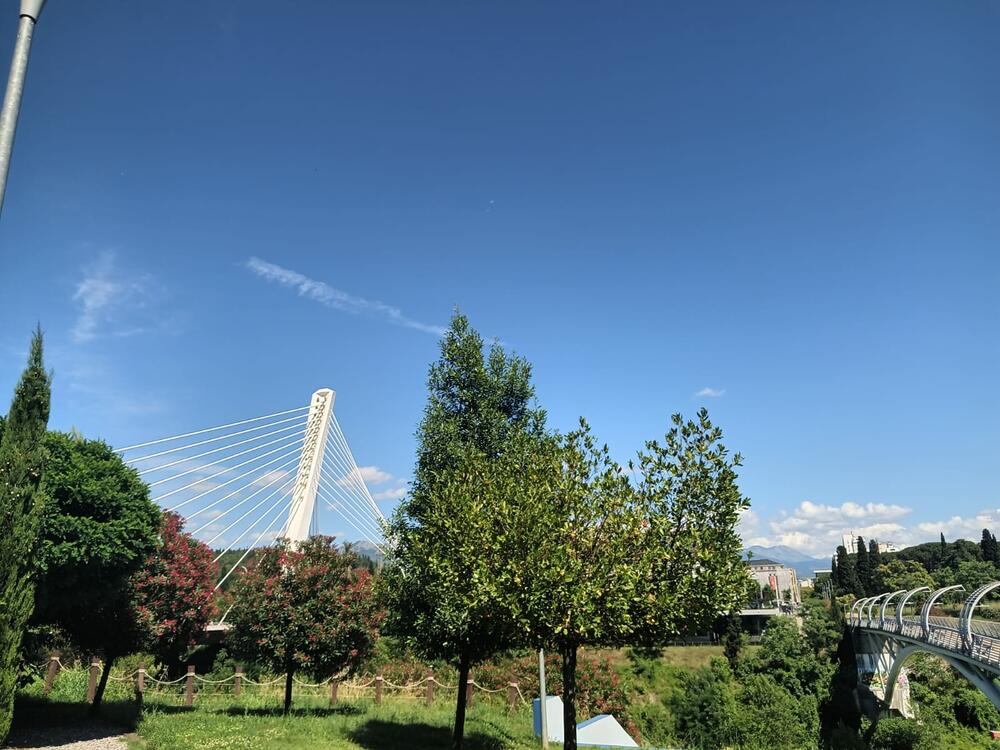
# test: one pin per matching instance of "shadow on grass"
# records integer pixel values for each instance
(341, 710)
(384, 735)
(39, 722)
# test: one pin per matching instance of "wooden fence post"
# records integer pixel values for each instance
(511, 696)
(468, 690)
(189, 687)
(430, 688)
(378, 687)
(95, 667)
(140, 680)
(238, 680)
(53, 670)
(334, 685)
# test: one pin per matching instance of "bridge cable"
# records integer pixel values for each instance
(137, 459)
(343, 506)
(224, 484)
(339, 489)
(250, 529)
(277, 470)
(222, 514)
(252, 546)
(185, 459)
(210, 429)
(348, 480)
(237, 521)
(342, 439)
(202, 467)
(229, 469)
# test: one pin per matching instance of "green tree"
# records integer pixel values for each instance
(609, 565)
(847, 576)
(988, 546)
(304, 609)
(786, 655)
(904, 574)
(863, 569)
(733, 638)
(894, 733)
(100, 528)
(874, 563)
(705, 709)
(582, 566)
(768, 717)
(22, 462)
(441, 572)
(175, 592)
(974, 573)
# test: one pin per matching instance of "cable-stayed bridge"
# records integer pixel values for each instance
(886, 638)
(242, 484)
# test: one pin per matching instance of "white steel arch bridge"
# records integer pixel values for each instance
(245, 483)
(885, 637)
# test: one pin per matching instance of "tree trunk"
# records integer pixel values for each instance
(288, 689)
(463, 678)
(568, 653)
(101, 684)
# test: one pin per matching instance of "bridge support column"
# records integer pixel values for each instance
(300, 517)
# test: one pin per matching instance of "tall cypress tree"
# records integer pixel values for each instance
(22, 460)
(988, 546)
(863, 568)
(847, 576)
(874, 561)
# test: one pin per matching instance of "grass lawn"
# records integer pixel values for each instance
(254, 720)
(221, 723)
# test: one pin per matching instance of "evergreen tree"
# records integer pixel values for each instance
(847, 577)
(863, 568)
(834, 574)
(988, 546)
(733, 639)
(995, 549)
(874, 562)
(22, 461)
(444, 565)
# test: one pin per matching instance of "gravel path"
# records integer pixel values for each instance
(90, 736)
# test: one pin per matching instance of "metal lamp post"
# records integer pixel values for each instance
(30, 11)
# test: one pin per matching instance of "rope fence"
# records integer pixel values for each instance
(362, 686)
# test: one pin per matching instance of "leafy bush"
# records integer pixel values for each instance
(899, 734)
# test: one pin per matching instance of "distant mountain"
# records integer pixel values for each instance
(801, 563)
(369, 550)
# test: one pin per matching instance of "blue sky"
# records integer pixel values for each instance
(786, 212)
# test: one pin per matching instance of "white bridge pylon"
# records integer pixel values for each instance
(302, 519)
(245, 483)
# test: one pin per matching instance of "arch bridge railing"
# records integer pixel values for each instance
(977, 639)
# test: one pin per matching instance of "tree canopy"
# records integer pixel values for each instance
(22, 462)
(304, 609)
(100, 528)
(175, 591)
(441, 572)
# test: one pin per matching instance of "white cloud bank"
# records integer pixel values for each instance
(336, 299)
(817, 528)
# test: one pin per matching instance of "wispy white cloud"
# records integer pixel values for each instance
(336, 299)
(109, 301)
(711, 392)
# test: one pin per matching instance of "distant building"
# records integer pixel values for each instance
(781, 580)
(850, 542)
